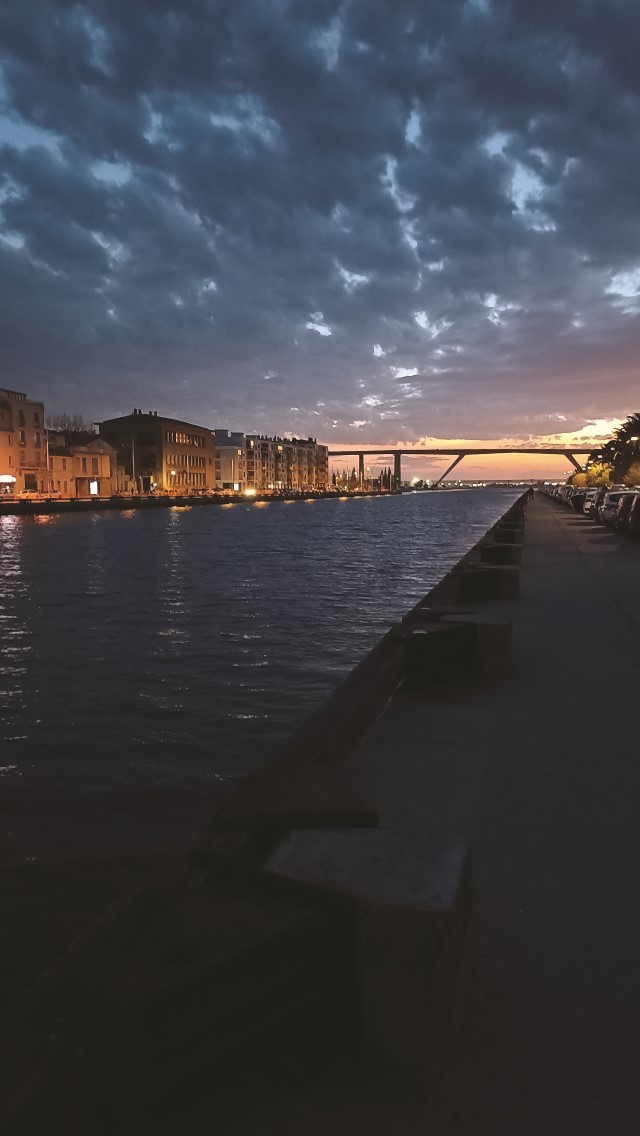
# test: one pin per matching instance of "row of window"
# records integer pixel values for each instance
(185, 460)
(180, 439)
(21, 418)
(95, 464)
(183, 478)
(22, 439)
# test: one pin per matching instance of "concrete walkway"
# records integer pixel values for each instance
(542, 770)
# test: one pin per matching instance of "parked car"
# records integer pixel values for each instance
(621, 515)
(599, 500)
(576, 499)
(633, 520)
(609, 506)
(589, 502)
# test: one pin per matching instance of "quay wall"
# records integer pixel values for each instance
(297, 932)
(40, 506)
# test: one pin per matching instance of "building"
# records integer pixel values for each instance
(301, 464)
(23, 444)
(230, 460)
(161, 455)
(82, 469)
(260, 463)
(286, 464)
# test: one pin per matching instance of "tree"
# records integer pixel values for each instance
(623, 450)
(70, 423)
(632, 476)
(595, 473)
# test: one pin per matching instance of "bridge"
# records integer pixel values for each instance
(458, 453)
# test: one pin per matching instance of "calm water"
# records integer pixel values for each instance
(179, 644)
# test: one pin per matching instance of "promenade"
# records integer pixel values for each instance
(541, 770)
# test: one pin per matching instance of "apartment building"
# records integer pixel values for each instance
(230, 460)
(81, 469)
(161, 454)
(260, 463)
(23, 444)
(286, 463)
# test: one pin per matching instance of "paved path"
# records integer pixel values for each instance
(543, 770)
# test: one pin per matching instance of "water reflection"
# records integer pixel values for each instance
(16, 698)
(160, 644)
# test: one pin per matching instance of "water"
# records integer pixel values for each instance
(160, 646)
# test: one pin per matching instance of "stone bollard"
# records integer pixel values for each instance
(407, 905)
(487, 582)
(495, 552)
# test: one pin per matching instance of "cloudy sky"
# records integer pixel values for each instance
(370, 220)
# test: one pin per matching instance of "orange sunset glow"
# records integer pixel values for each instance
(486, 467)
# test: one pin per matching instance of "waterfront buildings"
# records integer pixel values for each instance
(257, 463)
(286, 464)
(161, 454)
(230, 460)
(82, 469)
(23, 444)
(148, 453)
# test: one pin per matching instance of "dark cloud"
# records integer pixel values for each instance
(398, 219)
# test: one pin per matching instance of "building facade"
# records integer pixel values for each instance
(161, 455)
(23, 444)
(279, 464)
(230, 460)
(82, 470)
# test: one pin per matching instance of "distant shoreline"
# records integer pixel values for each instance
(38, 506)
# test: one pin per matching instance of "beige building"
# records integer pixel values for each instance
(286, 463)
(23, 444)
(161, 455)
(86, 469)
(230, 460)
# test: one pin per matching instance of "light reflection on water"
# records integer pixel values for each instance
(183, 643)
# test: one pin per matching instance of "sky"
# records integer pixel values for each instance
(376, 223)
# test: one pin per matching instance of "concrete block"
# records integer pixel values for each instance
(437, 651)
(495, 552)
(411, 903)
(233, 844)
(508, 534)
(492, 643)
(487, 582)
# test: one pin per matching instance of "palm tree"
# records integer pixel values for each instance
(625, 446)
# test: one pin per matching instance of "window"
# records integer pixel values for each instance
(21, 418)
(36, 419)
(94, 465)
(36, 439)
(22, 437)
(65, 486)
(84, 465)
(64, 466)
(10, 459)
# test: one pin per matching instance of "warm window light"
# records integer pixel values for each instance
(249, 492)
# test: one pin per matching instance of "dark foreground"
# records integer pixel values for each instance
(541, 768)
(538, 767)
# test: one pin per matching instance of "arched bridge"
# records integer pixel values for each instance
(458, 453)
